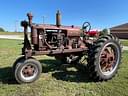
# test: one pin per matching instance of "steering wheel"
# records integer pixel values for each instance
(86, 26)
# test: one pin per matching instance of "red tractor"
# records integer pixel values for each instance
(67, 44)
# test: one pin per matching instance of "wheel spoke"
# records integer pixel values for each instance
(107, 59)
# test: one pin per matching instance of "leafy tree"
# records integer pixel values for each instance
(104, 32)
(2, 30)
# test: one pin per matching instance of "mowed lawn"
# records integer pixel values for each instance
(124, 42)
(57, 80)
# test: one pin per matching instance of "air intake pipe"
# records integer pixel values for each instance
(30, 16)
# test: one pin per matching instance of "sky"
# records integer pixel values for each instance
(100, 13)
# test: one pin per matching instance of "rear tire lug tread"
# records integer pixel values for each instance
(92, 58)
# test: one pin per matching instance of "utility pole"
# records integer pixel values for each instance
(16, 28)
(44, 17)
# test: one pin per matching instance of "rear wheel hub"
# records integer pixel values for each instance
(108, 59)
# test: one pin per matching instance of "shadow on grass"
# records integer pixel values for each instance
(50, 65)
(60, 72)
(6, 76)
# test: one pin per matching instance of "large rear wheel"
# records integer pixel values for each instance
(104, 58)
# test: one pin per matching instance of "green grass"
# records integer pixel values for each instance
(124, 42)
(55, 80)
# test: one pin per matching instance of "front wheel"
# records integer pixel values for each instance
(28, 71)
(104, 58)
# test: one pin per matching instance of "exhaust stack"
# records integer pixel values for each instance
(58, 19)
